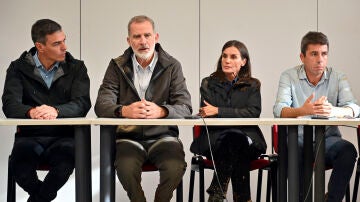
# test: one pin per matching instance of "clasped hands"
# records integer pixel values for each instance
(43, 112)
(320, 106)
(143, 110)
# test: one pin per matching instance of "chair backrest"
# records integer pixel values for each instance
(43, 167)
(196, 131)
(148, 167)
(274, 138)
(358, 137)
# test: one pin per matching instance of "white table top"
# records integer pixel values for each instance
(335, 121)
(208, 121)
(60, 121)
(183, 122)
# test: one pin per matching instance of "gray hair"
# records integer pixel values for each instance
(139, 19)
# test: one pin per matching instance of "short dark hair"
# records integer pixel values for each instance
(313, 38)
(43, 27)
(139, 19)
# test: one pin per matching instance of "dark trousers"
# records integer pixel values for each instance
(29, 152)
(232, 156)
(341, 156)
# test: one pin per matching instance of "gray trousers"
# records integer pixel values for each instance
(166, 154)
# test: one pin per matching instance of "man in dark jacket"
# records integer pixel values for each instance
(145, 82)
(45, 83)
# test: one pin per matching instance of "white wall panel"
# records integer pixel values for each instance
(340, 22)
(271, 30)
(97, 32)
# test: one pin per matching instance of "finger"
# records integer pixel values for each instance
(150, 115)
(206, 103)
(140, 105)
(145, 102)
(323, 99)
(323, 110)
(326, 103)
(149, 108)
(310, 97)
(38, 113)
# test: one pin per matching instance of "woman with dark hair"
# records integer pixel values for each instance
(231, 92)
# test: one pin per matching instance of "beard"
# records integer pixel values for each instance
(145, 56)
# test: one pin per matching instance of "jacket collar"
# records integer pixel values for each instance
(27, 56)
(30, 69)
(239, 82)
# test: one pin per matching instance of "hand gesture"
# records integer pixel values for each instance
(43, 112)
(135, 110)
(308, 106)
(323, 107)
(320, 107)
(208, 110)
(143, 110)
(154, 111)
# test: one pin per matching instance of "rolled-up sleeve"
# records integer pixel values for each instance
(346, 98)
(284, 97)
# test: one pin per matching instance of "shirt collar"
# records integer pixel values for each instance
(151, 66)
(39, 65)
(303, 76)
